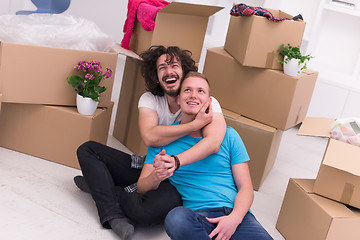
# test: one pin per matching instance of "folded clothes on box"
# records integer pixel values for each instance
(347, 130)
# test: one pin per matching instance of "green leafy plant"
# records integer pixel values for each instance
(88, 84)
(291, 52)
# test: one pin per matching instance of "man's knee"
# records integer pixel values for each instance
(85, 147)
(85, 150)
(150, 208)
(177, 220)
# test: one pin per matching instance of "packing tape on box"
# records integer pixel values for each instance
(347, 193)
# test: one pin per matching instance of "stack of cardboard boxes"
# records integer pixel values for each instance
(327, 207)
(258, 99)
(38, 114)
(247, 80)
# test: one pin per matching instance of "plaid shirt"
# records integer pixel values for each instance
(137, 162)
(244, 10)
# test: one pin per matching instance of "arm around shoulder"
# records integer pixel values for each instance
(160, 135)
(213, 135)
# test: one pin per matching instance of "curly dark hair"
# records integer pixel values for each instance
(149, 70)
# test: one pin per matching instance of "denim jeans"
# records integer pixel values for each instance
(184, 223)
(107, 171)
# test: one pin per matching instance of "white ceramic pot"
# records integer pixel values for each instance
(85, 106)
(292, 68)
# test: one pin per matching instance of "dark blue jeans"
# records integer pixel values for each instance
(107, 171)
(184, 223)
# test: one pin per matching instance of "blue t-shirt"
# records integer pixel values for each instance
(208, 183)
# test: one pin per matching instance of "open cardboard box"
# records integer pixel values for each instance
(51, 132)
(178, 24)
(305, 215)
(265, 95)
(262, 144)
(339, 174)
(254, 40)
(38, 75)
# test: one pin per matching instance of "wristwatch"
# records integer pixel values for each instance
(177, 162)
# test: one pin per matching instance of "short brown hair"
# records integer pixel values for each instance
(194, 74)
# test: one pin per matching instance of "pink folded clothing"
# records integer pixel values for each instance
(147, 18)
(346, 130)
(146, 14)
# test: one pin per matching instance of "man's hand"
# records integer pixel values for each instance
(205, 115)
(164, 165)
(226, 226)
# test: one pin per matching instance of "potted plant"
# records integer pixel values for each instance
(87, 85)
(293, 61)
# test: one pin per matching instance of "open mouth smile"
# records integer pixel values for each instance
(170, 80)
(192, 103)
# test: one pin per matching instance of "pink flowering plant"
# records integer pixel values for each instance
(87, 85)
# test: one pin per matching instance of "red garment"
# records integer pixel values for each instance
(130, 20)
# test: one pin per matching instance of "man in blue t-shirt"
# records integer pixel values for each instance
(217, 191)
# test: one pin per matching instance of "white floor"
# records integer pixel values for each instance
(38, 199)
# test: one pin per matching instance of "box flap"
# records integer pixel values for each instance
(332, 208)
(250, 122)
(229, 114)
(312, 126)
(343, 156)
(120, 50)
(282, 14)
(309, 71)
(190, 9)
(306, 185)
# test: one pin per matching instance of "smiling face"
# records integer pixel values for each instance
(169, 74)
(194, 93)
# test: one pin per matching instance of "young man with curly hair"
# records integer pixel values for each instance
(109, 174)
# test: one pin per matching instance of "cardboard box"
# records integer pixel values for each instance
(38, 75)
(173, 26)
(262, 144)
(338, 177)
(51, 132)
(305, 215)
(177, 24)
(254, 40)
(126, 128)
(265, 95)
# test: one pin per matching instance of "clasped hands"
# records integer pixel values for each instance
(164, 165)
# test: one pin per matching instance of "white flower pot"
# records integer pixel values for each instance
(85, 106)
(292, 68)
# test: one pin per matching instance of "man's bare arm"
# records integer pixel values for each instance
(155, 135)
(148, 179)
